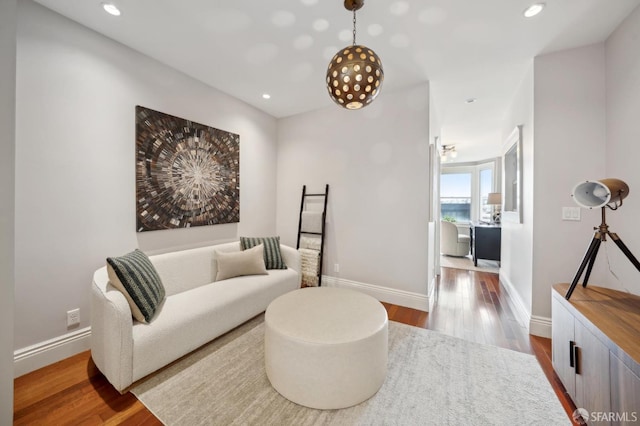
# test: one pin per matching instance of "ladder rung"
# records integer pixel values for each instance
(311, 233)
(315, 195)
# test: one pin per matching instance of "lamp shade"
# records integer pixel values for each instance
(354, 77)
(599, 193)
(494, 198)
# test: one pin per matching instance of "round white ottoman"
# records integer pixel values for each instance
(326, 347)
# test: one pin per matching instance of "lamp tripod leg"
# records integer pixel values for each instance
(592, 260)
(591, 252)
(624, 249)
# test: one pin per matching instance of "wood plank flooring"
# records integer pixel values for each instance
(468, 304)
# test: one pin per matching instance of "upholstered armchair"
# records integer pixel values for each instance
(451, 242)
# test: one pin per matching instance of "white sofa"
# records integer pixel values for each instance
(196, 310)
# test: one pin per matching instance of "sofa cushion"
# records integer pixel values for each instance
(272, 255)
(247, 262)
(187, 269)
(134, 275)
(192, 318)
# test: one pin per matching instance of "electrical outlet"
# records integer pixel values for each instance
(73, 317)
(336, 267)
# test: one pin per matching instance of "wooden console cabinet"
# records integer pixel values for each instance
(596, 351)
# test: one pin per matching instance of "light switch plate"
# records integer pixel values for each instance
(571, 213)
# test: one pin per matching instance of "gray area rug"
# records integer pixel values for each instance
(466, 262)
(432, 379)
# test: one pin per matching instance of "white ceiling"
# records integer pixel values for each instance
(465, 48)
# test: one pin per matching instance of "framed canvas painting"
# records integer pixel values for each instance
(187, 173)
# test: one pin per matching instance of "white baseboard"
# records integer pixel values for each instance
(523, 316)
(36, 356)
(40, 355)
(536, 325)
(540, 326)
(48, 352)
(383, 294)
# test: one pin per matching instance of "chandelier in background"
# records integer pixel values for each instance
(448, 151)
(355, 73)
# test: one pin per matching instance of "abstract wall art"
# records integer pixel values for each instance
(187, 174)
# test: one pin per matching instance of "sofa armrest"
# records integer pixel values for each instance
(111, 332)
(291, 257)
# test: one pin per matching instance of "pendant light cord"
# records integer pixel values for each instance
(354, 25)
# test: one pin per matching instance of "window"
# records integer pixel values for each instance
(455, 196)
(464, 191)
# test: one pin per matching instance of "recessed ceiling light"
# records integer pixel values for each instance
(533, 10)
(471, 100)
(266, 96)
(111, 9)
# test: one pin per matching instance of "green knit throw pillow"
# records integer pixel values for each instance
(135, 276)
(272, 256)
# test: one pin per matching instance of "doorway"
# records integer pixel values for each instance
(463, 200)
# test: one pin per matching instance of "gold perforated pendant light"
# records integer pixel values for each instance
(355, 73)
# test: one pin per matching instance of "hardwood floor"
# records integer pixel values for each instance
(468, 304)
(74, 392)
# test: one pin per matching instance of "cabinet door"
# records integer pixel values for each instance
(562, 327)
(487, 243)
(593, 390)
(625, 393)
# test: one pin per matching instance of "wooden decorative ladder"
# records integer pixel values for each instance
(321, 232)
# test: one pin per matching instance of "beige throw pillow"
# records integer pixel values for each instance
(235, 264)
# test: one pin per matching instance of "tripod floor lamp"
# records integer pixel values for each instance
(593, 194)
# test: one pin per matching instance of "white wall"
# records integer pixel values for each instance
(569, 148)
(75, 175)
(7, 195)
(561, 105)
(517, 238)
(623, 144)
(376, 162)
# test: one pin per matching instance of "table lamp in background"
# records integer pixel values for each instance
(494, 199)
